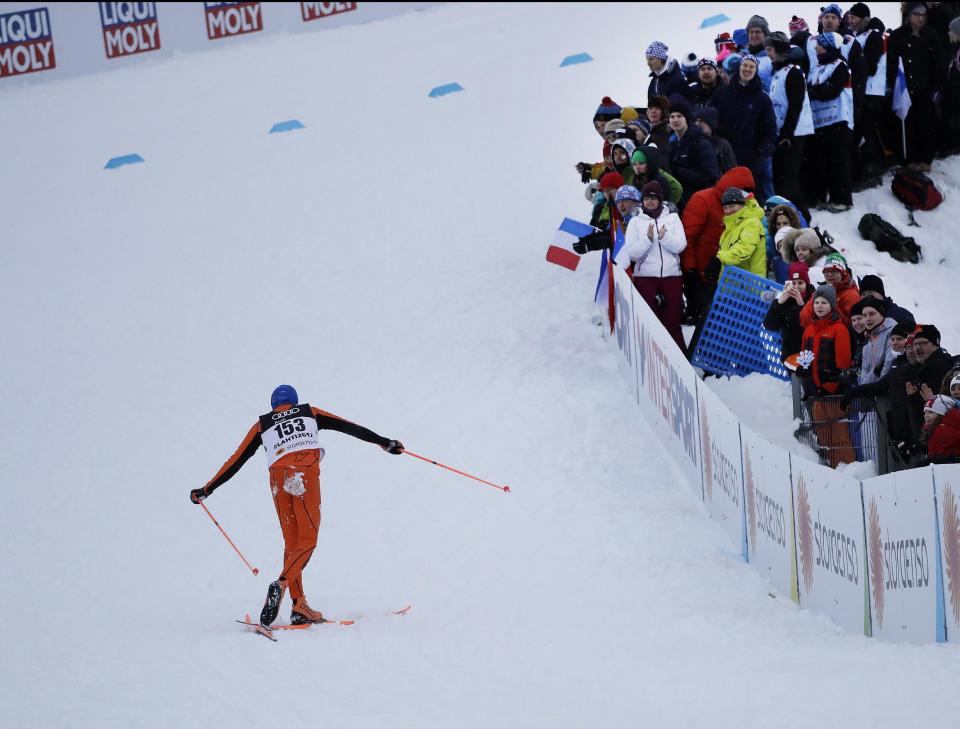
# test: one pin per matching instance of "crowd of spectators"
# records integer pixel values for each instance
(729, 156)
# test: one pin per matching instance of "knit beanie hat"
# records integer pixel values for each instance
(627, 192)
(749, 57)
(830, 40)
(860, 10)
(955, 380)
(829, 293)
(733, 196)
(608, 109)
(808, 239)
(661, 102)
(731, 64)
(708, 62)
(758, 21)
(798, 272)
(857, 308)
(638, 157)
(872, 283)
(611, 180)
(709, 115)
(797, 25)
(629, 114)
(940, 405)
(928, 332)
(902, 330)
(680, 105)
(871, 303)
(613, 125)
(740, 37)
(831, 9)
(653, 188)
(778, 41)
(642, 124)
(834, 260)
(657, 50)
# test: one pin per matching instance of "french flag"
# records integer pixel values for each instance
(569, 232)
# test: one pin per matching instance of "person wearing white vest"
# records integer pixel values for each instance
(831, 101)
(653, 243)
(867, 120)
(290, 435)
(791, 105)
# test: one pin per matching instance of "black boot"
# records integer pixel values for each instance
(271, 606)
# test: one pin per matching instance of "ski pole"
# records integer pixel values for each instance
(505, 489)
(252, 569)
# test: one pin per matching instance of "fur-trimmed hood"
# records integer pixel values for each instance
(786, 245)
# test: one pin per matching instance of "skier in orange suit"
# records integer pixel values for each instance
(290, 435)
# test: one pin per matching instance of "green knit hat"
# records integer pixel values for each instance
(835, 260)
(638, 156)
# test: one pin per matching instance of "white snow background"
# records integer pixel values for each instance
(388, 261)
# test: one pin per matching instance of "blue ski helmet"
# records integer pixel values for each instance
(283, 395)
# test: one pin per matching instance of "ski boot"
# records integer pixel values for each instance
(271, 606)
(303, 613)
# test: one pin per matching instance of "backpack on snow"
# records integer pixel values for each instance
(888, 239)
(915, 190)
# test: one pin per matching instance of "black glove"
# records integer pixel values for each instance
(395, 447)
(580, 246)
(198, 495)
(712, 272)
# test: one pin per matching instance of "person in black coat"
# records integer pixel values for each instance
(748, 122)
(933, 363)
(708, 81)
(693, 160)
(784, 313)
(872, 285)
(706, 119)
(949, 137)
(922, 54)
(666, 77)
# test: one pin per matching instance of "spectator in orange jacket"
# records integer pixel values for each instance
(289, 434)
(837, 273)
(829, 340)
(703, 225)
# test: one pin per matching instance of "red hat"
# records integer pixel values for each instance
(797, 25)
(611, 180)
(799, 271)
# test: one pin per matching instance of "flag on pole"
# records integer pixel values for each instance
(567, 234)
(901, 96)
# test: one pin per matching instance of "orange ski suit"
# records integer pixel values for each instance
(295, 485)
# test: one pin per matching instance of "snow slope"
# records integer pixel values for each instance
(387, 260)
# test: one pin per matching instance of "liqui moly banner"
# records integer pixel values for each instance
(722, 468)
(225, 20)
(662, 380)
(771, 541)
(828, 515)
(947, 483)
(129, 28)
(319, 11)
(26, 42)
(902, 555)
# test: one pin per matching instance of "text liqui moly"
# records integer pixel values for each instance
(129, 28)
(26, 42)
(318, 11)
(229, 19)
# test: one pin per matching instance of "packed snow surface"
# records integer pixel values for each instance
(387, 260)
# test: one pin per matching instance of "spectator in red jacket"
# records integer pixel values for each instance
(838, 275)
(703, 225)
(942, 429)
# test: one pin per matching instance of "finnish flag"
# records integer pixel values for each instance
(901, 97)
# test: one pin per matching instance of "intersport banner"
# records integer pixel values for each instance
(902, 556)
(947, 482)
(722, 469)
(771, 540)
(663, 382)
(828, 515)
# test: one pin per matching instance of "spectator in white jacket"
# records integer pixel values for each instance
(653, 242)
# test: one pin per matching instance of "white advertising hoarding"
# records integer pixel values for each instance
(828, 516)
(947, 482)
(902, 555)
(663, 382)
(768, 497)
(722, 467)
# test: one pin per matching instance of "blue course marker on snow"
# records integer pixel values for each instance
(714, 20)
(444, 90)
(127, 159)
(577, 58)
(286, 126)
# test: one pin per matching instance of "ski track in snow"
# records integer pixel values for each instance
(387, 260)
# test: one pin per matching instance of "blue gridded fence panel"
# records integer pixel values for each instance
(733, 340)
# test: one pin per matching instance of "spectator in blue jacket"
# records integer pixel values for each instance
(748, 122)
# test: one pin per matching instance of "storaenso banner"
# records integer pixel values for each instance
(769, 504)
(662, 380)
(722, 472)
(902, 554)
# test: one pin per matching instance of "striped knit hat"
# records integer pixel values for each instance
(657, 50)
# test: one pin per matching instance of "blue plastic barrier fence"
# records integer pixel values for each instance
(733, 340)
